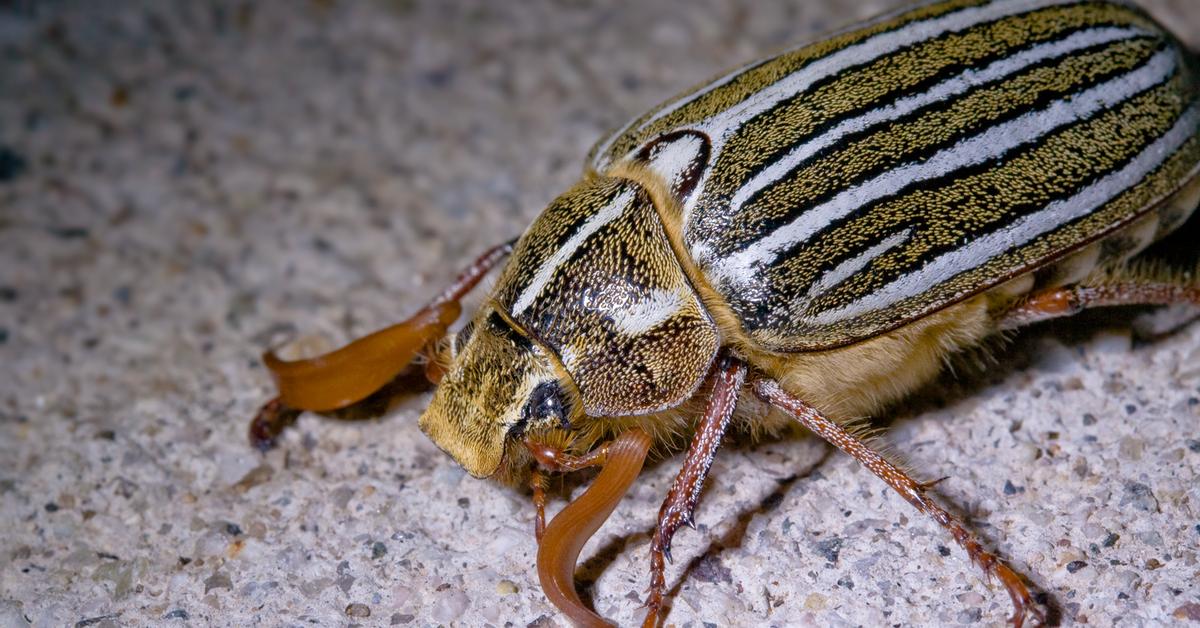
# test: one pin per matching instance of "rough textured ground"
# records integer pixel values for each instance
(183, 183)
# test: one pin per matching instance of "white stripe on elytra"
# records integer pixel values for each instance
(601, 161)
(1050, 217)
(743, 267)
(675, 158)
(725, 123)
(671, 107)
(861, 52)
(605, 215)
(853, 265)
(940, 92)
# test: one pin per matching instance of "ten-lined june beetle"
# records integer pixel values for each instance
(805, 238)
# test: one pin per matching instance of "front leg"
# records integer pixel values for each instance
(728, 377)
(550, 459)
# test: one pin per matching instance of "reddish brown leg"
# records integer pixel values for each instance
(555, 460)
(350, 374)
(912, 491)
(1061, 302)
(537, 481)
(471, 275)
(727, 380)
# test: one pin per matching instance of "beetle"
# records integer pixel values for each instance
(805, 239)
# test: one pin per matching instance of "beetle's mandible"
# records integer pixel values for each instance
(810, 235)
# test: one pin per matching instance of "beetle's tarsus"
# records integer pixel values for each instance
(912, 491)
(925, 486)
(270, 422)
(537, 481)
(653, 606)
(652, 611)
(1023, 604)
(993, 567)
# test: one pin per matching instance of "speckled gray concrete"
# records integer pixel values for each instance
(184, 183)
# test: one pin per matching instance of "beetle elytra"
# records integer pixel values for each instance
(818, 230)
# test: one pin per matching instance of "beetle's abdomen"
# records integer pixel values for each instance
(849, 187)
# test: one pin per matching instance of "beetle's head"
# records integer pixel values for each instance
(593, 318)
(500, 385)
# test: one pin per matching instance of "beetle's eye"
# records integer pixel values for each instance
(546, 403)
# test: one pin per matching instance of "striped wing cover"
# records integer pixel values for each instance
(842, 189)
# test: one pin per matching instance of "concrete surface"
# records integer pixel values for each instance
(184, 183)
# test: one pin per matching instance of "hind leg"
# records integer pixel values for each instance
(1060, 302)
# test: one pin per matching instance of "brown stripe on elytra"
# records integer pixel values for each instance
(1089, 149)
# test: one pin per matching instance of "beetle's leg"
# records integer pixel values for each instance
(728, 378)
(537, 482)
(551, 459)
(350, 374)
(1060, 302)
(470, 276)
(555, 460)
(912, 491)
